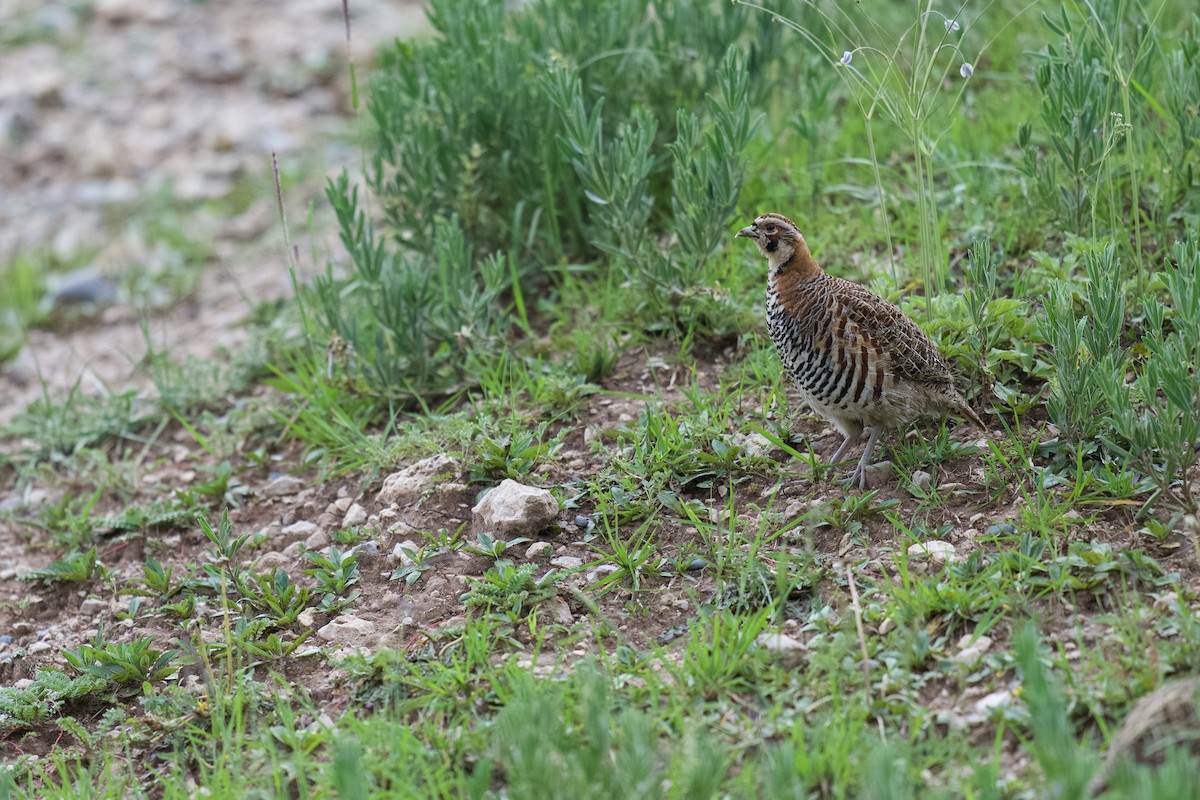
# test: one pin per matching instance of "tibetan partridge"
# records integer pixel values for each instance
(857, 360)
(1167, 717)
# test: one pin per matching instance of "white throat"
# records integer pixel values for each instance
(782, 254)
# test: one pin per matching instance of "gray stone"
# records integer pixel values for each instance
(921, 479)
(560, 612)
(515, 508)
(93, 606)
(348, 631)
(299, 531)
(538, 549)
(566, 562)
(283, 486)
(83, 286)
(411, 483)
(355, 515)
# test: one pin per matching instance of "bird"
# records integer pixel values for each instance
(1167, 717)
(856, 358)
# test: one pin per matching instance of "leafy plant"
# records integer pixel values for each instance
(513, 453)
(336, 573)
(75, 567)
(510, 590)
(123, 664)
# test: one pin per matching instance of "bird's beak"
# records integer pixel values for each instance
(747, 231)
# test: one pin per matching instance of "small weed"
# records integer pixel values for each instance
(510, 591)
(75, 567)
(122, 664)
(336, 573)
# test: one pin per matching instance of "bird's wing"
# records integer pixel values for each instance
(903, 348)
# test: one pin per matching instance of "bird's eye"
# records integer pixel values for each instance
(771, 228)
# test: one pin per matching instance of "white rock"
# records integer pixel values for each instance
(515, 508)
(969, 654)
(355, 515)
(409, 484)
(399, 555)
(317, 541)
(921, 479)
(307, 618)
(566, 562)
(997, 699)
(780, 644)
(39, 647)
(937, 551)
(348, 631)
(538, 549)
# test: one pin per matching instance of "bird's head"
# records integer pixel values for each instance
(777, 238)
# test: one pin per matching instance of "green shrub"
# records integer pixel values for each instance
(464, 125)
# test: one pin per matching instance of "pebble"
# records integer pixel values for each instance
(601, 571)
(560, 612)
(935, 550)
(921, 479)
(399, 554)
(696, 563)
(93, 606)
(6, 639)
(282, 486)
(348, 631)
(879, 473)
(969, 653)
(782, 645)
(365, 551)
(317, 541)
(997, 699)
(566, 562)
(538, 549)
(299, 531)
(39, 647)
(84, 286)
(1000, 529)
(356, 515)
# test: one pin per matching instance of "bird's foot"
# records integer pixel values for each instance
(857, 479)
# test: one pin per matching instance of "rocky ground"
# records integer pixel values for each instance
(138, 143)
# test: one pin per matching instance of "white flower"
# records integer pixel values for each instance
(952, 25)
(966, 70)
(847, 57)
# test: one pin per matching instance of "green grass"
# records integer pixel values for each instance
(544, 286)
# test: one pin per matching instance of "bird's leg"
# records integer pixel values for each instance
(859, 475)
(837, 454)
